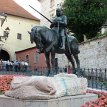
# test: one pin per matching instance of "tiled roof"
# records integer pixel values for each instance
(12, 8)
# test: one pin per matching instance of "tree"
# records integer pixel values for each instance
(85, 17)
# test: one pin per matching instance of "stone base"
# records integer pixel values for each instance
(68, 101)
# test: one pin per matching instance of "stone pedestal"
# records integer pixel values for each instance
(68, 101)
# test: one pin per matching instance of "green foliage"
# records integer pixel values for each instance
(99, 34)
(105, 33)
(85, 17)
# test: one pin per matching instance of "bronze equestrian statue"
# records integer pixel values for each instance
(56, 40)
(50, 44)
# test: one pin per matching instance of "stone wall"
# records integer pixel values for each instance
(93, 53)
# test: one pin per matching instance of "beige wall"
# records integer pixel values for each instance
(17, 25)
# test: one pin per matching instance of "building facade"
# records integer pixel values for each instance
(36, 60)
(30, 55)
(17, 46)
(19, 21)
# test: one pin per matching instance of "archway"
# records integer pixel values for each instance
(4, 55)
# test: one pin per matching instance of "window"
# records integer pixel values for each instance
(51, 3)
(19, 36)
(60, 4)
(27, 58)
(52, 13)
(36, 58)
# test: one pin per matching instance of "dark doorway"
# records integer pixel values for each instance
(4, 55)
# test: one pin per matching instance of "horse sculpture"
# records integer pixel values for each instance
(48, 38)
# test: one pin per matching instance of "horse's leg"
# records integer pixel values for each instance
(50, 46)
(77, 60)
(53, 60)
(78, 64)
(54, 41)
(48, 62)
(70, 58)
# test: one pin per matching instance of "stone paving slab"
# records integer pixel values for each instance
(68, 101)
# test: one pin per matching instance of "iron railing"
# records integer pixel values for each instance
(97, 78)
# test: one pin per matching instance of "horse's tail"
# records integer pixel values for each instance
(73, 44)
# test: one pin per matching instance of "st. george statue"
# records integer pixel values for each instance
(56, 40)
(59, 24)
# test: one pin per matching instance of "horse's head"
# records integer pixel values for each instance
(33, 34)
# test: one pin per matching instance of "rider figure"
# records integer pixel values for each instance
(59, 24)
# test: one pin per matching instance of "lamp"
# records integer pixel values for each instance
(5, 35)
(3, 17)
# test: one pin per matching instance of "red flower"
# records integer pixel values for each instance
(5, 81)
(99, 102)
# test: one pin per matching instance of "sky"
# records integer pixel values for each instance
(34, 3)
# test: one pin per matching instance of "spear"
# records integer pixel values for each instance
(41, 14)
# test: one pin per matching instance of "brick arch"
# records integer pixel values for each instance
(4, 55)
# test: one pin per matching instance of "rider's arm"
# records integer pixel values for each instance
(53, 23)
(64, 21)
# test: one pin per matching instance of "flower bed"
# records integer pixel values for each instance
(5, 81)
(101, 101)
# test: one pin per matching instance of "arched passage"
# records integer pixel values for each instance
(4, 55)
